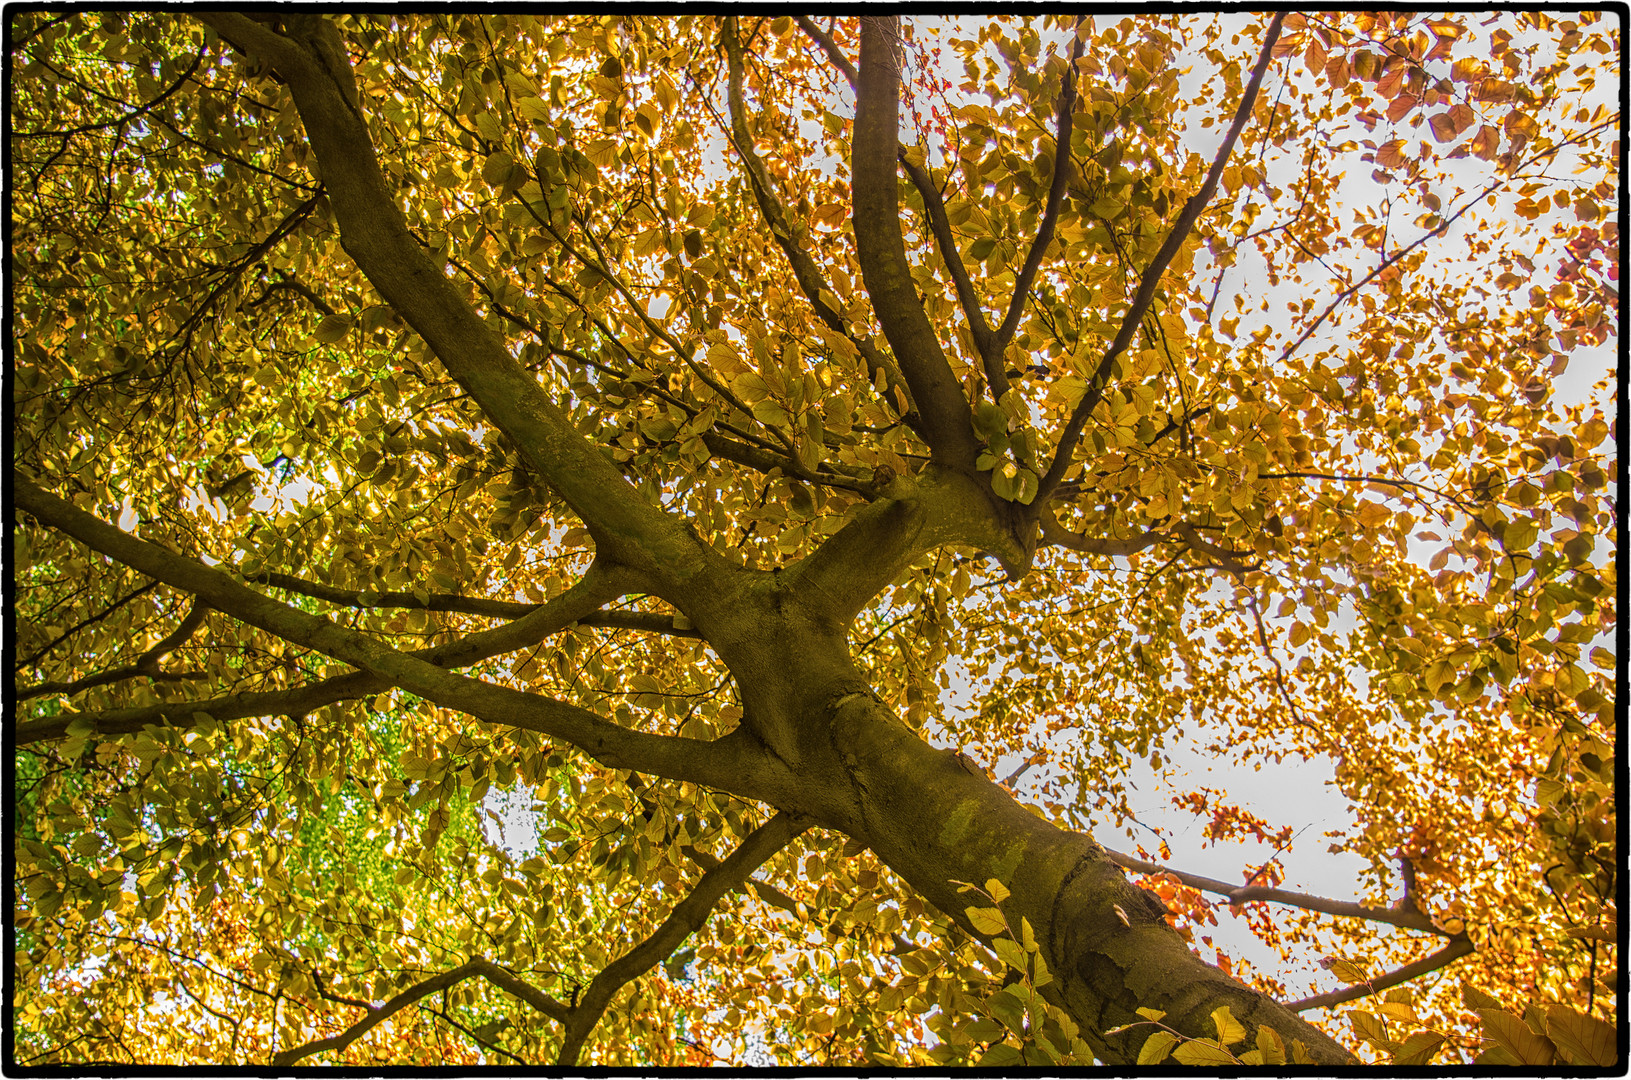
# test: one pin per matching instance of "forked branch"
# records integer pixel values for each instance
(728, 764)
(311, 59)
(477, 967)
(1152, 274)
(650, 621)
(934, 206)
(805, 271)
(579, 1019)
(146, 664)
(598, 586)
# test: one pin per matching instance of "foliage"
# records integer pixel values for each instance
(419, 414)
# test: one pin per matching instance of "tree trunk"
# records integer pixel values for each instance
(934, 821)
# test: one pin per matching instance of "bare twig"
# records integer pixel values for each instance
(1460, 945)
(1488, 189)
(1236, 894)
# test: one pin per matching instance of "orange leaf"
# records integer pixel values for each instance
(1315, 56)
(1391, 155)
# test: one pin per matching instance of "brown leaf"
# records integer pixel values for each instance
(1584, 1040)
(1514, 1036)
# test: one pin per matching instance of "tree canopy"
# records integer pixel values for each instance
(801, 469)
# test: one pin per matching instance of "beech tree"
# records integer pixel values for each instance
(804, 466)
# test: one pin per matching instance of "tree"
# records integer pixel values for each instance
(650, 418)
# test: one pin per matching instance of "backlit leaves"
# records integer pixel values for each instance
(1419, 515)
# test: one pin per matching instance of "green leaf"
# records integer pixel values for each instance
(984, 1029)
(1202, 1052)
(535, 109)
(1000, 1056)
(1005, 1006)
(332, 328)
(1584, 1040)
(1107, 207)
(1438, 674)
(987, 921)
(771, 414)
(496, 169)
(1156, 1047)
(750, 387)
(1010, 953)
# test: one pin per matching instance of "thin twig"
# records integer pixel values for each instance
(1237, 894)
(1460, 945)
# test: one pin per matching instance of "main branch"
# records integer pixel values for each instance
(311, 59)
(730, 764)
(947, 422)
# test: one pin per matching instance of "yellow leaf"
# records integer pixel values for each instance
(1199, 1052)
(1230, 1030)
(986, 920)
(1271, 1047)
(1372, 514)
(1418, 1049)
(998, 891)
(1514, 1036)
(1156, 1047)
